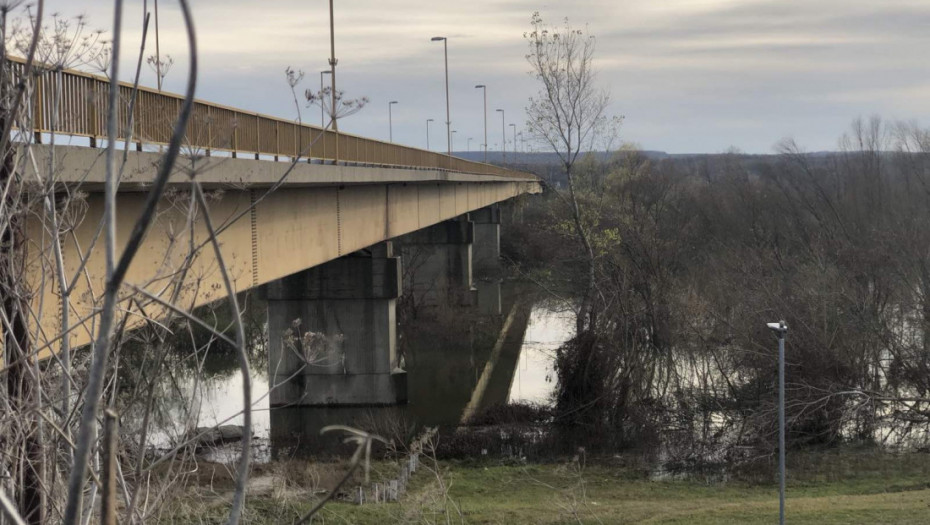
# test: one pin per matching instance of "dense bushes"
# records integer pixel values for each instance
(693, 257)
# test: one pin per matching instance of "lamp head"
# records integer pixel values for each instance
(501, 110)
(430, 120)
(779, 327)
(480, 86)
(437, 38)
(392, 102)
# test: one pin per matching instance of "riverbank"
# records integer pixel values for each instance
(824, 488)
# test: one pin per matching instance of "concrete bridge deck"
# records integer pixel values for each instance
(317, 214)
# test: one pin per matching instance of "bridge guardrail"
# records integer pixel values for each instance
(82, 109)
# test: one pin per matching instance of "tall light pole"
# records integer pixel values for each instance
(157, 49)
(503, 136)
(469, 143)
(485, 89)
(427, 132)
(445, 49)
(453, 135)
(780, 329)
(322, 114)
(390, 122)
(514, 126)
(332, 66)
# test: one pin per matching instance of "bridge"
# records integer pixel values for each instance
(333, 227)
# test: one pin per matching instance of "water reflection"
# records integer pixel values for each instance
(534, 378)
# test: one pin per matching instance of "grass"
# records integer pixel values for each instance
(824, 488)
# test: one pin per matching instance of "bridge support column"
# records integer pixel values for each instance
(486, 249)
(438, 263)
(486, 252)
(332, 333)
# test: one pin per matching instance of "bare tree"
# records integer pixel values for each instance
(569, 115)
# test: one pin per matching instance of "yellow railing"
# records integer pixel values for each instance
(82, 101)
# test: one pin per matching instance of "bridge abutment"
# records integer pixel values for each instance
(332, 332)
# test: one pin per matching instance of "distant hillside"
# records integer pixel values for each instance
(537, 158)
(551, 159)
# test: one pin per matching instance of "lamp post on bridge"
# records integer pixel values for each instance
(322, 113)
(332, 75)
(453, 137)
(514, 126)
(469, 144)
(332, 68)
(445, 48)
(503, 136)
(391, 122)
(427, 132)
(484, 88)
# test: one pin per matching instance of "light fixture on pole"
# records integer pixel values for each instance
(445, 48)
(485, 89)
(780, 329)
(427, 132)
(503, 136)
(469, 144)
(453, 137)
(390, 122)
(322, 115)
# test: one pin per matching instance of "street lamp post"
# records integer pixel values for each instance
(332, 63)
(503, 136)
(453, 136)
(427, 132)
(780, 329)
(157, 50)
(445, 50)
(485, 90)
(322, 115)
(469, 144)
(514, 126)
(390, 122)
(332, 76)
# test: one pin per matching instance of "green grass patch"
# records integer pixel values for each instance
(824, 488)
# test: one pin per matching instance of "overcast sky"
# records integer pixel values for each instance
(689, 75)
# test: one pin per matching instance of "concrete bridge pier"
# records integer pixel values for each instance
(332, 333)
(486, 249)
(486, 256)
(438, 264)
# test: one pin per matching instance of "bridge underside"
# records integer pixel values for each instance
(317, 214)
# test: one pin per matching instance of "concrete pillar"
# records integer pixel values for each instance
(332, 333)
(486, 249)
(486, 253)
(438, 263)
